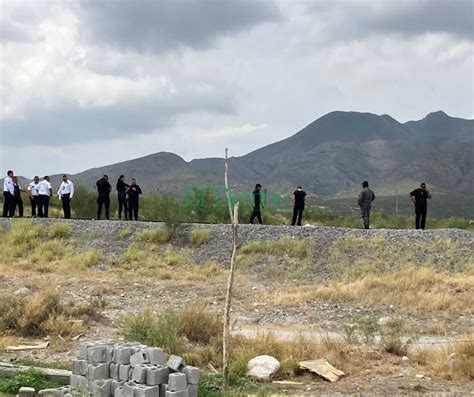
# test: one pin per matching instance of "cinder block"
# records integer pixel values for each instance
(114, 371)
(26, 392)
(79, 383)
(157, 375)
(96, 354)
(120, 392)
(177, 382)
(193, 374)
(140, 357)
(114, 385)
(83, 349)
(181, 393)
(147, 391)
(138, 348)
(129, 388)
(124, 371)
(156, 355)
(79, 366)
(101, 388)
(139, 373)
(122, 354)
(51, 393)
(109, 353)
(193, 390)
(163, 389)
(98, 371)
(175, 363)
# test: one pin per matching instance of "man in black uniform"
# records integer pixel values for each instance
(17, 201)
(122, 197)
(103, 188)
(8, 193)
(366, 196)
(257, 201)
(298, 196)
(134, 192)
(420, 198)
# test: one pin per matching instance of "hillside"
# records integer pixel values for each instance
(330, 156)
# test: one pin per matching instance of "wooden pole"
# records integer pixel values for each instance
(230, 280)
(229, 201)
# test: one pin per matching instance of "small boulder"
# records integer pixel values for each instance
(263, 367)
(23, 291)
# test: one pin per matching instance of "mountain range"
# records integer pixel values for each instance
(330, 157)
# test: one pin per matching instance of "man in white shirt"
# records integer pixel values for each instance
(65, 193)
(33, 195)
(45, 190)
(8, 193)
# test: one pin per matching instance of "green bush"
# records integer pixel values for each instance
(199, 236)
(60, 230)
(30, 378)
(154, 235)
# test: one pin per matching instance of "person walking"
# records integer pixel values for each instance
(8, 192)
(257, 202)
(17, 200)
(65, 194)
(134, 192)
(420, 197)
(103, 189)
(33, 195)
(45, 191)
(299, 197)
(366, 197)
(122, 188)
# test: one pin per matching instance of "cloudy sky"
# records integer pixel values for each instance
(89, 83)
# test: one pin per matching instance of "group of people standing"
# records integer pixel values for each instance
(40, 193)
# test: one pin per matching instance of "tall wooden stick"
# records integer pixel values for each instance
(230, 279)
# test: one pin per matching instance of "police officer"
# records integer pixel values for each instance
(257, 202)
(133, 192)
(45, 190)
(65, 193)
(33, 194)
(299, 196)
(366, 197)
(122, 197)
(103, 189)
(8, 192)
(420, 197)
(17, 200)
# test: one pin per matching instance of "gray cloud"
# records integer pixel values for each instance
(69, 123)
(11, 31)
(349, 19)
(157, 26)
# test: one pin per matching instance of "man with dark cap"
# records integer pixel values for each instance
(298, 196)
(122, 197)
(134, 192)
(366, 197)
(420, 197)
(257, 202)
(103, 199)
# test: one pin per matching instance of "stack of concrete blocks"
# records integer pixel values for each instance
(130, 369)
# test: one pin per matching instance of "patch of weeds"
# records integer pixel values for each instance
(123, 234)
(350, 335)
(59, 230)
(30, 378)
(29, 362)
(300, 249)
(199, 236)
(392, 338)
(155, 235)
(198, 324)
(133, 254)
(368, 327)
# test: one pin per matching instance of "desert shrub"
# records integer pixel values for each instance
(37, 309)
(284, 246)
(85, 260)
(59, 230)
(392, 337)
(61, 325)
(123, 234)
(199, 236)
(49, 251)
(133, 254)
(155, 235)
(30, 378)
(198, 324)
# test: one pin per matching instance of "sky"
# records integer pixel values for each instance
(90, 83)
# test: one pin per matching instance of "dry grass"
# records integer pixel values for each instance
(60, 230)
(418, 290)
(452, 362)
(198, 324)
(155, 235)
(199, 236)
(284, 247)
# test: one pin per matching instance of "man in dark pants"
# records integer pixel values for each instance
(122, 197)
(420, 198)
(257, 201)
(45, 190)
(33, 194)
(66, 193)
(134, 192)
(103, 188)
(8, 192)
(17, 200)
(366, 197)
(298, 195)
